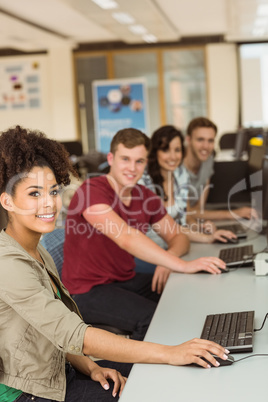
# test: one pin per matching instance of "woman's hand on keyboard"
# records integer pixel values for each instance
(246, 212)
(195, 350)
(212, 265)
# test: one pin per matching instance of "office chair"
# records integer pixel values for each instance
(239, 141)
(3, 218)
(227, 141)
(93, 163)
(54, 243)
(73, 147)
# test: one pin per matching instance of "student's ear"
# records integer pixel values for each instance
(187, 139)
(6, 201)
(110, 158)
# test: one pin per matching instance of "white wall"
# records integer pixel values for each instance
(33, 118)
(223, 86)
(251, 91)
(254, 87)
(56, 115)
(62, 99)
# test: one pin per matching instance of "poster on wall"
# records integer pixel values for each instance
(118, 104)
(20, 85)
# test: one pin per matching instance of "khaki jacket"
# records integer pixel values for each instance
(37, 329)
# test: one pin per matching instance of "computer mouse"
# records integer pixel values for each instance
(223, 271)
(228, 240)
(230, 360)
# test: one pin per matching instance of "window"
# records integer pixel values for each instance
(185, 86)
(176, 84)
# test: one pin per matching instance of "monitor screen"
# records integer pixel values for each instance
(240, 144)
(265, 188)
(243, 138)
(258, 165)
(255, 158)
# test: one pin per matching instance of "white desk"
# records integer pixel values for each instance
(179, 317)
(227, 155)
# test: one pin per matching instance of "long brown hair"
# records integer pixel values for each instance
(160, 140)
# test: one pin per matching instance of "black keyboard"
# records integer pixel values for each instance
(234, 331)
(236, 228)
(237, 256)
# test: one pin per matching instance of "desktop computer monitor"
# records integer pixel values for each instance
(265, 188)
(258, 163)
(243, 137)
(255, 158)
(240, 143)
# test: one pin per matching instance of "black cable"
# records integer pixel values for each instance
(247, 357)
(255, 330)
(244, 264)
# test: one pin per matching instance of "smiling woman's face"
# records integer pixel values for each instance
(171, 158)
(36, 202)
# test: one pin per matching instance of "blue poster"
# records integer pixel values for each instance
(118, 104)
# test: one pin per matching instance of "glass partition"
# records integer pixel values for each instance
(88, 69)
(176, 83)
(185, 86)
(132, 65)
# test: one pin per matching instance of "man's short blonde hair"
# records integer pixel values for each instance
(130, 138)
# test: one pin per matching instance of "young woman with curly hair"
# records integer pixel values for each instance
(44, 343)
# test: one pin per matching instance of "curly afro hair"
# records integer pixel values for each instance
(22, 149)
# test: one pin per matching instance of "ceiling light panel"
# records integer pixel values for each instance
(123, 18)
(106, 4)
(149, 38)
(262, 10)
(61, 17)
(261, 22)
(243, 22)
(137, 29)
(258, 31)
(144, 12)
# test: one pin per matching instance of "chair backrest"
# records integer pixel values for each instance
(227, 141)
(53, 243)
(73, 147)
(3, 218)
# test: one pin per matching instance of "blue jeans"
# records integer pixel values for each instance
(80, 388)
(128, 305)
(144, 267)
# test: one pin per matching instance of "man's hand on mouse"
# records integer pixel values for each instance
(212, 265)
(223, 236)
